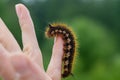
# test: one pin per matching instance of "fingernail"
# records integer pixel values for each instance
(18, 10)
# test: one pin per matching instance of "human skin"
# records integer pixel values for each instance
(27, 63)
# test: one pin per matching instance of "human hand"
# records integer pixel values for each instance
(26, 63)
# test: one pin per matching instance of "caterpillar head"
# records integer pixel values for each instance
(50, 31)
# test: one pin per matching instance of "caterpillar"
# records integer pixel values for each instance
(69, 45)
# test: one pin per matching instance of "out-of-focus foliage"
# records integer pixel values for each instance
(96, 51)
(95, 22)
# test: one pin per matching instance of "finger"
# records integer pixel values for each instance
(7, 39)
(54, 68)
(28, 69)
(28, 34)
(6, 69)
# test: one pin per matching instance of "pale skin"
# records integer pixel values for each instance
(27, 63)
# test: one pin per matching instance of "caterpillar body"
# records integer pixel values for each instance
(69, 45)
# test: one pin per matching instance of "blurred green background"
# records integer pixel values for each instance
(95, 22)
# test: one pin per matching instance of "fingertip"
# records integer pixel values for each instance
(58, 46)
(58, 38)
(58, 41)
(19, 4)
(21, 10)
(18, 9)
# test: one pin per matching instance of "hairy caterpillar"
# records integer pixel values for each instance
(69, 45)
